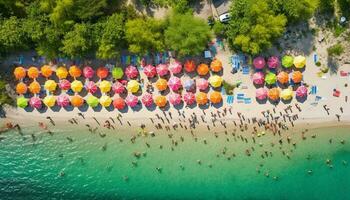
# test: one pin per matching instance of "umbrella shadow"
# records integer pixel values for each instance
(110, 108)
(217, 105)
(43, 109)
(191, 106)
(258, 85)
(261, 101)
(83, 108)
(287, 101)
(274, 102)
(98, 108)
(138, 107)
(124, 110)
(204, 107)
(56, 108)
(29, 109)
(151, 108)
(179, 106)
(301, 99)
(69, 108)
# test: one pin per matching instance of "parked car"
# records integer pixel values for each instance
(224, 17)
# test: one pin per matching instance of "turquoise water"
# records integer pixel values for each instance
(101, 168)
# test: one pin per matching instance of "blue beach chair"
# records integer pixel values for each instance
(229, 99)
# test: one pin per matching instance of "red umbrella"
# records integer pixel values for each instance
(175, 99)
(174, 83)
(189, 98)
(190, 66)
(119, 103)
(162, 69)
(150, 71)
(102, 72)
(131, 71)
(131, 100)
(91, 87)
(64, 84)
(175, 67)
(118, 88)
(147, 100)
(88, 72)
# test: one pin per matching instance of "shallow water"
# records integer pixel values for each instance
(30, 170)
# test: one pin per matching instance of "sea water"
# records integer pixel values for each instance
(95, 167)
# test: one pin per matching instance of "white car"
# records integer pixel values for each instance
(224, 17)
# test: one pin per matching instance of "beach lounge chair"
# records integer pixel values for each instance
(245, 70)
(247, 101)
(315, 58)
(229, 99)
(313, 89)
(318, 98)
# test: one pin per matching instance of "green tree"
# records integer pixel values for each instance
(294, 10)
(344, 6)
(12, 36)
(186, 34)
(78, 43)
(326, 6)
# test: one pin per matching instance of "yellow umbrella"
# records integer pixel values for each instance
(105, 101)
(76, 86)
(49, 101)
(50, 85)
(133, 86)
(286, 94)
(61, 72)
(105, 86)
(215, 81)
(299, 61)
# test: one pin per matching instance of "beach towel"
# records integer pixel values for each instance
(343, 74)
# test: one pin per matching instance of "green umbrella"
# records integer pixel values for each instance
(117, 73)
(287, 61)
(270, 78)
(92, 101)
(22, 102)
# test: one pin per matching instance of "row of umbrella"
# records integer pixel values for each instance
(270, 78)
(275, 94)
(274, 62)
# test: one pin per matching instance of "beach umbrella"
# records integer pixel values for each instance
(74, 71)
(160, 101)
(201, 98)
(131, 71)
(162, 69)
(35, 102)
(215, 81)
(259, 62)
(258, 78)
(215, 97)
(117, 73)
(150, 71)
(133, 86)
(273, 62)
(64, 84)
(46, 71)
(175, 67)
(118, 88)
(189, 98)
(92, 101)
(174, 83)
(88, 72)
(34, 87)
(49, 101)
(203, 69)
(261, 93)
(297, 77)
(102, 72)
(61, 72)
(147, 99)
(119, 103)
(91, 87)
(131, 100)
(216, 65)
(270, 78)
(21, 88)
(162, 84)
(76, 86)
(50, 85)
(274, 94)
(77, 101)
(287, 94)
(283, 77)
(33, 72)
(190, 66)
(287, 61)
(105, 101)
(105, 86)
(202, 84)
(22, 102)
(299, 62)
(189, 85)
(175, 99)
(63, 100)
(19, 73)
(301, 91)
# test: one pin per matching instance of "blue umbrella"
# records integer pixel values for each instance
(189, 85)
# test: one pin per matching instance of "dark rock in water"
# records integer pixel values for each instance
(137, 154)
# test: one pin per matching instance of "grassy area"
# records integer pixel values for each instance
(335, 50)
(228, 87)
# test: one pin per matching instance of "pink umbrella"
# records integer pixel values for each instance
(273, 62)
(174, 83)
(301, 91)
(189, 98)
(64, 84)
(147, 100)
(150, 71)
(131, 71)
(118, 88)
(259, 62)
(63, 100)
(162, 69)
(91, 87)
(131, 100)
(202, 84)
(175, 99)
(261, 93)
(88, 72)
(258, 78)
(175, 67)
(35, 102)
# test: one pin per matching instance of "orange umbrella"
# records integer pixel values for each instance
(216, 65)
(46, 71)
(215, 97)
(34, 87)
(201, 98)
(203, 69)
(21, 88)
(162, 84)
(77, 101)
(274, 94)
(283, 77)
(33, 72)
(160, 101)
(102, 72)
(190, 66)
(74, 71)
(61, 72)
(19, 73)
(297, 76)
